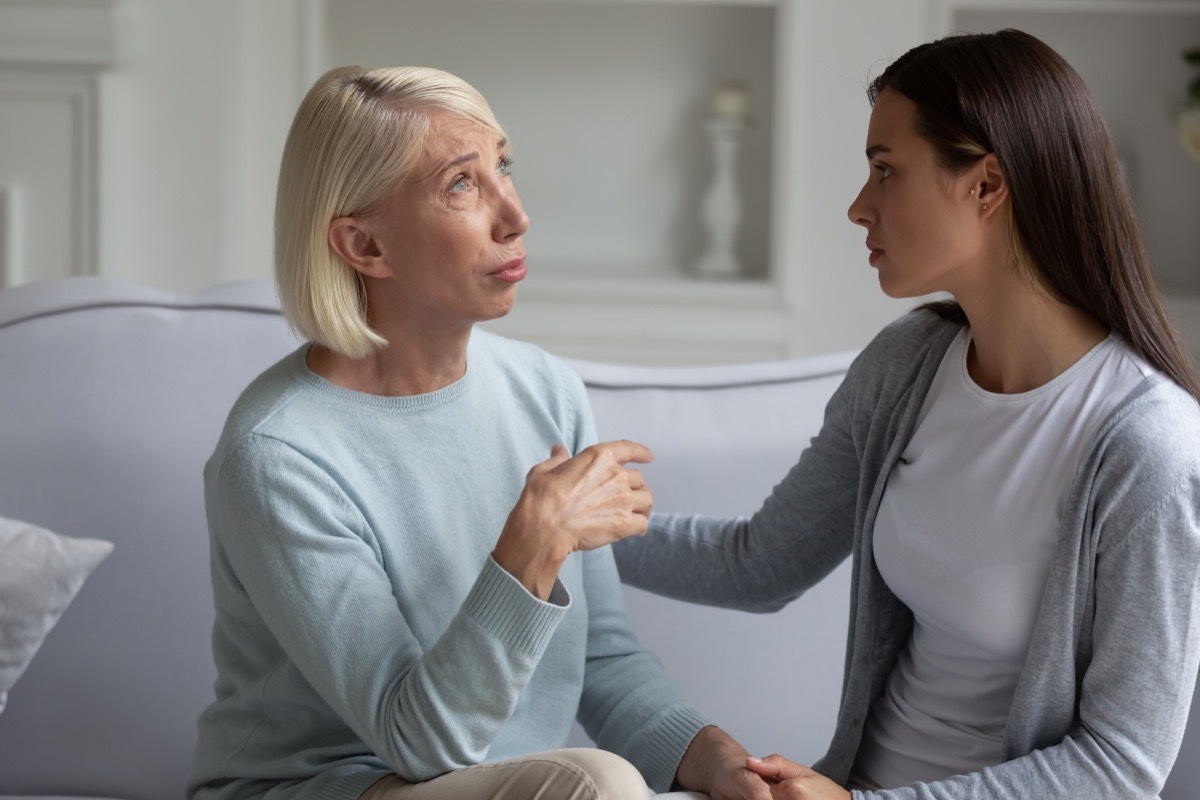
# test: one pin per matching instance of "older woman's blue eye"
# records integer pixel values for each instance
(460, 185)
(505, 167)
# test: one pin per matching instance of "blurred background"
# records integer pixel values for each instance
(686, 164)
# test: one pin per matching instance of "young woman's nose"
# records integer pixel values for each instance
(860, 211)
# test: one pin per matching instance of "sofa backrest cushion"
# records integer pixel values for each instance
(111, 399)
(723, 436)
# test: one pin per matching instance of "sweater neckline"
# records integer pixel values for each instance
(401, 403)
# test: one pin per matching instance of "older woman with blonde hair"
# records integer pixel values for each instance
(409, 516)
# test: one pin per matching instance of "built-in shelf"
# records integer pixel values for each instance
(605, 104)
(1130, 54)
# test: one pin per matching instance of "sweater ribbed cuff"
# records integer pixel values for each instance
(342, 785)
(499, 603)
(666, 742)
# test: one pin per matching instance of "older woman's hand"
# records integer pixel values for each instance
(795, 781)
(569, 504)
(714, 763)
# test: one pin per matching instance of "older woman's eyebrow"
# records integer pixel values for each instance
(471, 156)
(464, 158)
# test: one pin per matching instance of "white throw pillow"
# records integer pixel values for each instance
(40, 574)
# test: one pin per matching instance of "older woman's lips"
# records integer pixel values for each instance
(511, 271)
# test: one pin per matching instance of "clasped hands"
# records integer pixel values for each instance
(788, 780)
(718, 765)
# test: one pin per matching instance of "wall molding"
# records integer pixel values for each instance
(54, 51)
(10, 234)
(78, 92)
(78, 34)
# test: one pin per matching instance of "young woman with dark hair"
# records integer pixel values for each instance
(1015, 472)
(1073, 222)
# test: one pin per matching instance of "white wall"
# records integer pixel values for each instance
(841, 46)
(192, 121)
(191, 127)
(162, 146)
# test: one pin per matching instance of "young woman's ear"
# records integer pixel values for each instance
(991, 190)
(351, 239)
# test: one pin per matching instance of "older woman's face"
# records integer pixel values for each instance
(450, 234)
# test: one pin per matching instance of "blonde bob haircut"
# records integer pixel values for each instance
(357, 134)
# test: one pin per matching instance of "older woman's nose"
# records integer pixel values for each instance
(511, 219)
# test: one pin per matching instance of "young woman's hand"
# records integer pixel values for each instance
(569, 504)
(795, 781)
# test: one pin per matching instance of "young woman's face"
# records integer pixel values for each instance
(451, 232)
(922, 229)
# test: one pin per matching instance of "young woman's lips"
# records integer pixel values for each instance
(511, 271)
(876, 253)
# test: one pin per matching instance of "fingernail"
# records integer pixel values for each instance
(755, 759)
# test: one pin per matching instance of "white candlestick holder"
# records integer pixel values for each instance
(722, 208)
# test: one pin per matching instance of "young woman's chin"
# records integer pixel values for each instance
(900, 285)
(897, 289)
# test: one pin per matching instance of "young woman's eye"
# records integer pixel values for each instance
(883, 169)
(505, 167)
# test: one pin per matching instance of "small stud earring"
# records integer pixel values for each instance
(972, 193)
(985, 206)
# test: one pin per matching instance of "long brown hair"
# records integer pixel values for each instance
(1010, 94)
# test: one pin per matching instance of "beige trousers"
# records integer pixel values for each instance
(580, 773)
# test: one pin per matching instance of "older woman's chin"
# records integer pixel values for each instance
(503, 305)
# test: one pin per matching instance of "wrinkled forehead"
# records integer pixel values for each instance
(451, 136)
(447, 125)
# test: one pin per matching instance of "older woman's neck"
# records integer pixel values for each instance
(408, 365)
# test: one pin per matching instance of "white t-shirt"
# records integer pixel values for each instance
(965, 534)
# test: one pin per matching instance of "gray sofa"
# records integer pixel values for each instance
(111, 398)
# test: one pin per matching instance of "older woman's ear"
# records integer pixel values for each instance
(353, 241)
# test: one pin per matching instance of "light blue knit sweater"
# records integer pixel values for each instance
(361, 625)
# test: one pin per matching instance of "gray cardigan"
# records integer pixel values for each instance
(1101, 705)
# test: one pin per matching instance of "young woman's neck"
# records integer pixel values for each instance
(1022, 337)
